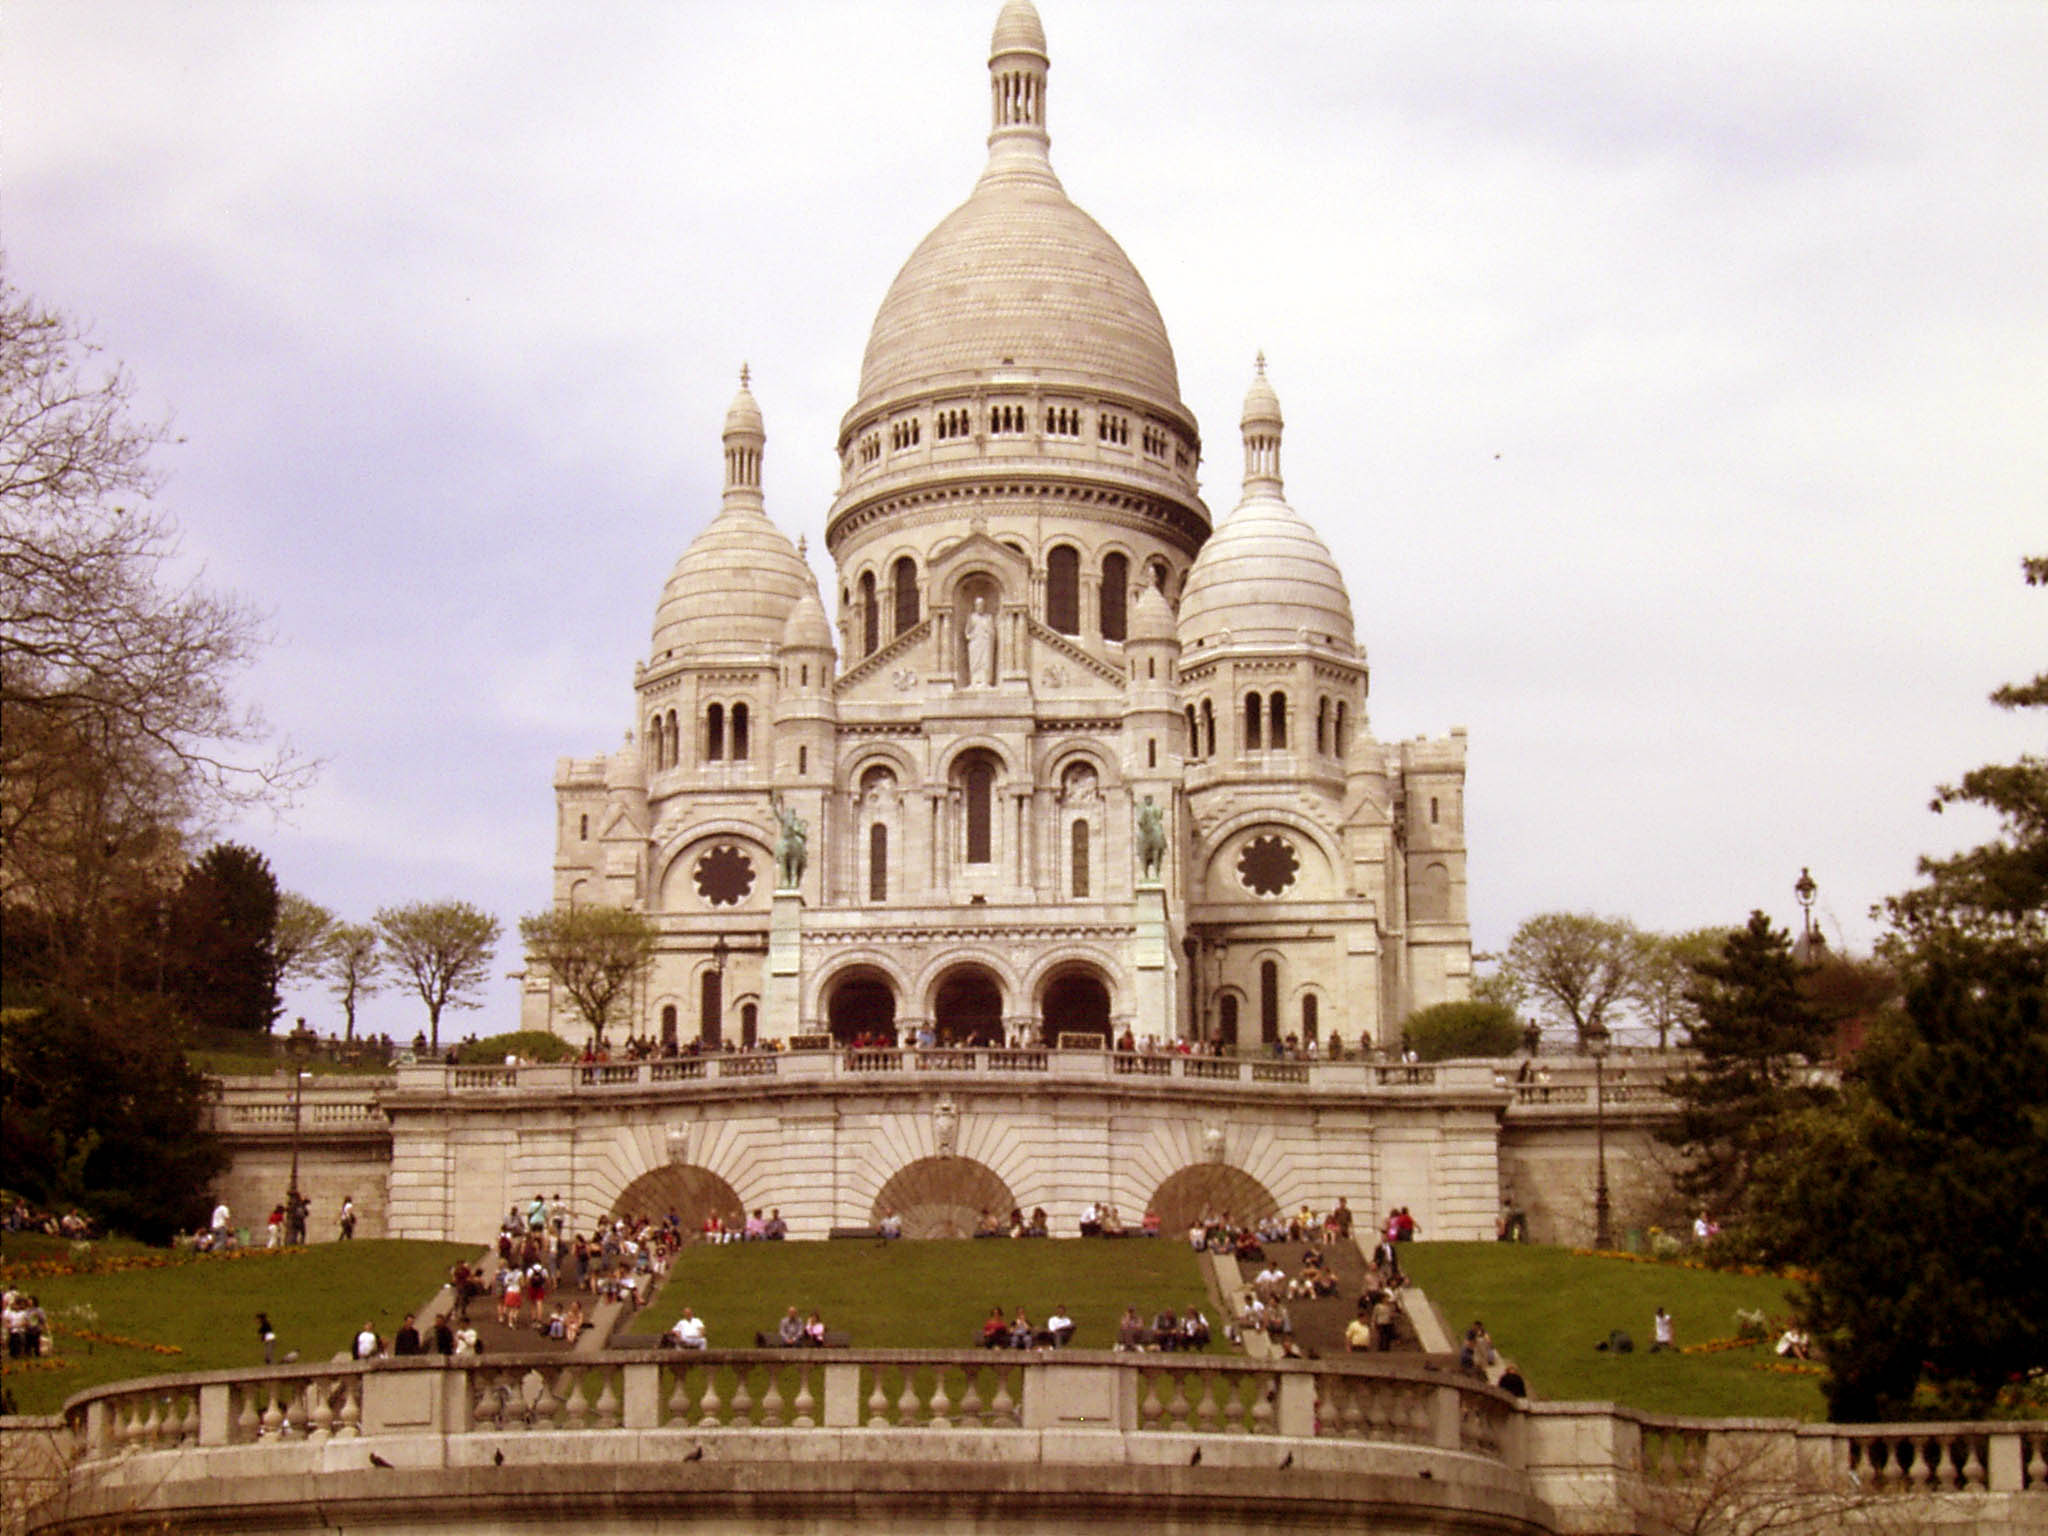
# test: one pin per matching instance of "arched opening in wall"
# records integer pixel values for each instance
(690, 1193)
(668, 1024)
(1269, 1002)
(969, 1008)
(1077, 859)
(870, 615)
(978, 792)
(878, 862)
(1208, 729)
(1210, 1192)
(1194, 733)
(1323, 726)
(943, 1197)
(657, 739)
(1429, 900)
(750, 1024)
(1116, 587)
(714, 733)
(1226, 1020)
(1276, 738)
(1340, 737)
(1311, 1018)
(862, 1006)
(675, 740)
(711, 1008)
(906, 594)
(1254, 714)
(1076, 1003)
(1063, 589)
(739, 733)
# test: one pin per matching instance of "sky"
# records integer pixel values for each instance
(1670, 381)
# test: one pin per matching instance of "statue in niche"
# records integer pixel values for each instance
(790, 847)
(1078, 787)
(1151, 841)
(980, 634)
(945, 1125)
(1212, 1144)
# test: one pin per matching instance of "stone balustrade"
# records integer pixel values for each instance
(1394, 1444)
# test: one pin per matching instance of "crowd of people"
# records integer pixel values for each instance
(20, 1216)
(28, 1327)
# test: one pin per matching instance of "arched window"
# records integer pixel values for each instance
(583, 828)
(1151, 752)
(870, 615)
(878, 862)
(1276, 738)
(1194, 733)
(714, 733)
(668, 1024)
(1063, 589)
(1208, 729)
(675, 739)
(711, 1007)
(750, 1024)
(979, 782)
(1338, 741)
(1322, 725)
(739, 733)
(803, 759)
(1254, 715)
(657, 740)
(1077, 858)
(1226, 1022)
(1269, 1001)
(1116, 586)
(1311, 1017)
(906, 594)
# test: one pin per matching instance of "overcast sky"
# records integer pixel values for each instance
(1671, 381)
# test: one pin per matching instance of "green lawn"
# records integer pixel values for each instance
(201, 1311)
(1547, 1307)
(927, 1295)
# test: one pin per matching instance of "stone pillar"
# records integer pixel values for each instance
(783, 993)
(1152, 1007)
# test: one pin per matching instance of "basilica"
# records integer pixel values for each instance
(1060, 759)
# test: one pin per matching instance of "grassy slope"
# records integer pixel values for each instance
(1547, 1307)
(206, 1308)
(928, 1295)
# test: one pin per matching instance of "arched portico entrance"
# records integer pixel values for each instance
(684, 1190)
(861, 1006)
(943, 1196)
(969, 1007)
(1214, 1190)
(1075, 1002)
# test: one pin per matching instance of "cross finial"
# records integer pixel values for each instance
(746, 375)
(1262, 362)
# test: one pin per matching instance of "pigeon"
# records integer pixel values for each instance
(378, 1461)
(1196, 1459)
(497, 1458)
(696, 1455)
(1288, 1462)
(1427, 1474)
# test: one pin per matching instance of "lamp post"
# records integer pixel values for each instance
(1804, 888)
(294, 1218)
(1603, 1231)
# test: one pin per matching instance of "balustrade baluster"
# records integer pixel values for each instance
(1149, 1406)
(771, 1400)
(273, 1409)
(319, 1412)
(1921, 1471)
(708, 1409)
(680, 1400)
(878, 1404)
(1264, 1392)
(607, 1403)
(940, 1416)
(806, 1403)
(1205, 1402)
(248, 1424)
(488, 1408)
(348, 1419)
(1177, 1408)
(1002, 1408)
(970, 1400)
(575, 1412)
(907, 1405)
(742, 1401)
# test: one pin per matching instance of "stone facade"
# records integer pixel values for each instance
(1040, 652)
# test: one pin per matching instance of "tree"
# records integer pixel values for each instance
(354, 965)
(103, 1112)
(223, 940)
(117, 723)
(444, 948)
(1755, 1038)
(1579, 968)
(1446, 1031)
(594, 954)
(298, 943)
(1919, 1205)
(1664, 978)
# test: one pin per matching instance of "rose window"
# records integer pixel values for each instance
(1267, 865)
(724, 876)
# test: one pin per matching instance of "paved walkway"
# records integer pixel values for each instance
(1319, 1322)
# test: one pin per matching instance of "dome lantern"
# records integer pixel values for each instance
(1262, 424)
(745, 437)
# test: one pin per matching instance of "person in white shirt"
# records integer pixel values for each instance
(689, 1331)
(1059, 1327)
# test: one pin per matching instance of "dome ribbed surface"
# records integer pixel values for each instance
(807, 628)
(1151, 617)
(1265, 577)
(1018, 30)
(733, 589)
(1018, 281)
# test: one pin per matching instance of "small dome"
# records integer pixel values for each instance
(1261, 401)
(1018, 30)
(1265, 578)
(1151, 615)
(733, 589)
(807, 628)
(743, 416)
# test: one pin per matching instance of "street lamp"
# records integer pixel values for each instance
(1603, 1231)
(1805, 888)
(295, 1220)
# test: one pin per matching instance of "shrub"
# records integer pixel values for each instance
(526, 1044)
(1449, 1030)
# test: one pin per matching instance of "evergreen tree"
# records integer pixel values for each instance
(1755, 1038)
(224, 927)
